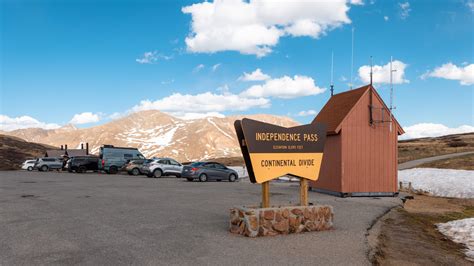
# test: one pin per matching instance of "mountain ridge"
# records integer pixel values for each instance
(155, 133)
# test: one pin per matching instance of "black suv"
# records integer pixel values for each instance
(81, 164)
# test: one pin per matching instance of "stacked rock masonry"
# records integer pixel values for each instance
(253, 222)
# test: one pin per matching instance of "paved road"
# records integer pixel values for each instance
(414, 163)
(62, 218)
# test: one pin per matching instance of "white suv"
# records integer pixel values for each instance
(159, 167)
(28, 165)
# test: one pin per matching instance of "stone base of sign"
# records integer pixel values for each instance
(254, 221)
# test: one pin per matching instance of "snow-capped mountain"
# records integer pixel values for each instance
(155, 134)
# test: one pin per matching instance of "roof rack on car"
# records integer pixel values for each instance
(113, 147)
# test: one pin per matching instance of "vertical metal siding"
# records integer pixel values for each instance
(368, 153)
(330, 174)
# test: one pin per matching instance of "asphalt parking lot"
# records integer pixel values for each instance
(63, 218)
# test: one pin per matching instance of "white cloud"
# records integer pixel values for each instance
(465, 74)
(254, 27)
(215, 67)
(85, 118)
(191, 116)
(470, 5)
(381, 74)
(152, 57)
(424, 130)
(202, 103)
(198, 68)
(12, 123)
(117, 115)
(284, 87)
(386, 18)
(307, 113)
(404, 10)
(167, 82)
(257, 75)
(357, 2)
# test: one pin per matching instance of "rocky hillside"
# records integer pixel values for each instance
(14, 151)
(155, 134)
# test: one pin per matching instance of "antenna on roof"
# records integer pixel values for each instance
(352, 56)
(332, 74)
(391, 92)
(371, 72)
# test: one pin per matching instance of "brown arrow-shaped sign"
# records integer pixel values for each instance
(271, 151)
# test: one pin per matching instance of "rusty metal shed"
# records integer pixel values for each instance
(360, 155)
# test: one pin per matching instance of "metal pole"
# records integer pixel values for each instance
(352, 56)
(332, 74)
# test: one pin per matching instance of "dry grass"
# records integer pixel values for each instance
(427, 147)
(14, 151)
(465, 162)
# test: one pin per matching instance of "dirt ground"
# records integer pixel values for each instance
(408, 235)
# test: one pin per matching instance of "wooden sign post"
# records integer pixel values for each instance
(303, 192)
(271, 151)
(266, 194)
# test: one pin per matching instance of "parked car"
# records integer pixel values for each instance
(159, 167)
(82, 164)
(46, 164)
(28, 165)
(135, 167)
(114, 158)
(204, 171)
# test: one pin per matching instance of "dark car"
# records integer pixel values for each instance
(82, 164)
(134, 167)
(204, 171)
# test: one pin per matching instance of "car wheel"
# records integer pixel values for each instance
(44, 168)
(190, 179)
(81, 169)
(157, 173)
(113, 170)
(203, 177)
(29, 168)
(232, 178)
(135, 171)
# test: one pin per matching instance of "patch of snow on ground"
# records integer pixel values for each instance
(164, 139)
(460, 231)
(288, 178)
(241, 171)
(440, 182)
(218, 128)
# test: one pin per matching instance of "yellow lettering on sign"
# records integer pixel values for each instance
(310, 137)
(277, 136)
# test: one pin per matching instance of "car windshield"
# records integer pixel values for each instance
(197, 164)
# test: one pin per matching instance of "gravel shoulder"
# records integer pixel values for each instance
(102, 219)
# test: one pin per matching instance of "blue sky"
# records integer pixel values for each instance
(65, 58)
